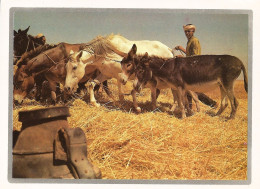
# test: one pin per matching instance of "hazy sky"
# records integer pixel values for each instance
(219, 32)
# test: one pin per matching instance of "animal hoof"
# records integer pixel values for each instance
(138, 110)
(215, 106)
(121, 98)
(173, 107)
(95, 104)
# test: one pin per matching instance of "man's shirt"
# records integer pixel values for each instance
(193, 47)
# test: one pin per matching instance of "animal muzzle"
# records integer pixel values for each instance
(137, 85)
(70, 89)
(19, 97)
(123, 78)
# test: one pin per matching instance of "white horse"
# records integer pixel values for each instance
(105, 53)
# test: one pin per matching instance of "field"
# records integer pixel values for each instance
(157, 144)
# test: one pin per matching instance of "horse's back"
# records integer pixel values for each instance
(152, 47)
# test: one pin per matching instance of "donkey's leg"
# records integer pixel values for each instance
(136, 107)
(224, 103)
(174, 95)
(233, 101)
(120, 94)
(180, 95)
(157, 93)
(196, 100)
(153, 97)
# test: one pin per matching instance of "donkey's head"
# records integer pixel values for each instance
(143, 73)
(128, 65)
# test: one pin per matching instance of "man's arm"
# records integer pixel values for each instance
(180, 48)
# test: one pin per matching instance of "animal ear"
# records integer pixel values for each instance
(133, 50)
(71, 52)
(15, 32)
(146, 55)
(26, 30)
(79, 56)
(134, 47)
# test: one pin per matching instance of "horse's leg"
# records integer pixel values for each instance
(53, 86)
(81, 90)
(105, 87)
(103, 79)
(93, 101)
(136, 107)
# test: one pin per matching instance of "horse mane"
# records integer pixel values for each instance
(102, 46)
(99, 46)
(33, 53)
(111, 36)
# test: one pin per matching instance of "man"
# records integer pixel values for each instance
(193, 48)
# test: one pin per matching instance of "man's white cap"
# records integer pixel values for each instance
(188, 27)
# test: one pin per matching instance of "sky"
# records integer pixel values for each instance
(219, 32)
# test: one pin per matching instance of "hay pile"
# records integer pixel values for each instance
(158, 145)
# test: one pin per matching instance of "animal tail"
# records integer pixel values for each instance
(245, 78)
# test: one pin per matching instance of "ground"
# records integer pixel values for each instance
(157, 144)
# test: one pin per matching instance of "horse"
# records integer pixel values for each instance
(106, 54)
(23, 80)
(46, 65)
(24, 42)
(201, 73)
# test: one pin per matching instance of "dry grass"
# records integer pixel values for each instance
(158, 145)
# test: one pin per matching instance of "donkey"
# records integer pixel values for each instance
(200, 73)
(129, 67)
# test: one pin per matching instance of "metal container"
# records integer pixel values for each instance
(47, 148)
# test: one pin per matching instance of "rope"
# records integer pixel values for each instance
(49, 58)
